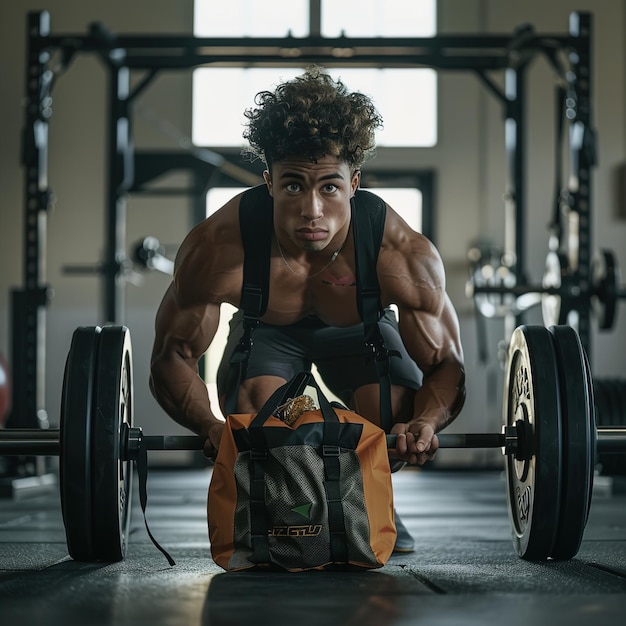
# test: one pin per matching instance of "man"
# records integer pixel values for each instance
(313, 136)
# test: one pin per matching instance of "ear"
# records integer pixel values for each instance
(355, 182)
(268, 181)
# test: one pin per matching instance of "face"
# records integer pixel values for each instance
(312, 201)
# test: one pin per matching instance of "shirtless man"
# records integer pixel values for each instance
(313, 135)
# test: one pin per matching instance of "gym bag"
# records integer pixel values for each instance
(309, 492)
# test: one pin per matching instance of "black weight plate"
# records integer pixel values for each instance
(533, 484)
(578, 453)
(111, 476)
(605, 285)
(75, 428)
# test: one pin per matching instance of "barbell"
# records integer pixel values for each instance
(549, 440)
(496, 292)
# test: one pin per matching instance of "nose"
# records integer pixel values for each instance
(312, 208)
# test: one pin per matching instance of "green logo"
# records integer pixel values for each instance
(304, 510)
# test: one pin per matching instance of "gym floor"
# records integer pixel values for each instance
(464, 570)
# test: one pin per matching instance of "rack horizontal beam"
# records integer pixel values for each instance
(453, 52)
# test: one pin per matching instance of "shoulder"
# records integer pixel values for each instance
(210, 258)
(410, 267)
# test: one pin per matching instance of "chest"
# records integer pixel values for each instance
(331, 295)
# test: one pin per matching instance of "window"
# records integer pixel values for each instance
(409, 120)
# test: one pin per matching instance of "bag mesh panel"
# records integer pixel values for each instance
(297, 508)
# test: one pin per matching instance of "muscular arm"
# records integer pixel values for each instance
(182, 336)
(414, 279)
(207, 273)
(432, 339)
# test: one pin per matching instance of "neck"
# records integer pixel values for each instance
(333, 257)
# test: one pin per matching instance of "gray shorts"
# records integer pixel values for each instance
(338, 353)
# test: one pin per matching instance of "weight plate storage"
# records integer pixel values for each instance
(578, 451)
(111, 477)
(531, 401)
(77, 397)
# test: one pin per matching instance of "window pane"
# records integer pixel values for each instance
(251, 18)
(407, 202)
(408, 121)
(379, 18)
(219, 121)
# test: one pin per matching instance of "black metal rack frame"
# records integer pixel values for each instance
(49, 55)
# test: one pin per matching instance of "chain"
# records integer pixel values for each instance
(332, 260)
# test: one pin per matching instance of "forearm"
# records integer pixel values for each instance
(183, 395)
(441, 396)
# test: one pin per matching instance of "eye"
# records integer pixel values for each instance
(330, 188)
(292, 187)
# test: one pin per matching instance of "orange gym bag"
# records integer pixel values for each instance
(301, 490)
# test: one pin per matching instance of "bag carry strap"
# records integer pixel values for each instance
(259, 521)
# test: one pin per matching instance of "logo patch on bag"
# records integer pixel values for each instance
(304, 510)
(296, 531)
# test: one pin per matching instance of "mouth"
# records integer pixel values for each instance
(312, 234)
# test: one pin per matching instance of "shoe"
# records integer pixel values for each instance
(404, 541)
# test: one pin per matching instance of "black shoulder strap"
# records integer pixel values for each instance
(256, 227)
(368, 225)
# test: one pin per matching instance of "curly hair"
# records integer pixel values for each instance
(312, 116)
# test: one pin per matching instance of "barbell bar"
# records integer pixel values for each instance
(35, 442)
(549, 439)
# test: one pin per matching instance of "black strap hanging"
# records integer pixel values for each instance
(141, 463)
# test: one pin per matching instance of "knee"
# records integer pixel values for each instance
(255, 392)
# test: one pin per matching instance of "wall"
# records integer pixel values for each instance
(469, 160)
